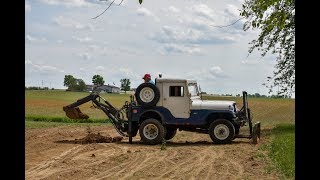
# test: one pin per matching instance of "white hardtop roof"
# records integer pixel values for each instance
(191, 81)
(175, 80)
(170, 80)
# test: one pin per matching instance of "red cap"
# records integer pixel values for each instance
(146, 76)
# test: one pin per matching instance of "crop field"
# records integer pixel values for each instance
(51, 151)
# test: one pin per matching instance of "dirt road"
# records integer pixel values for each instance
(187, 156)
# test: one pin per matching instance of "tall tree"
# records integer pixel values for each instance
(69, 81)
(74, 84)
(97, 80)
(125, 84)
(81, 85)
(276, 20)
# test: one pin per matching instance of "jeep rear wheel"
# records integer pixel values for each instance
(171, 132)
(151, 131)
(147, 95)
(221, 131)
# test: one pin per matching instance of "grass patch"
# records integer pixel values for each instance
(42, 124)
(268, 111)
(282, 149)
(51, 102)
(64, 119)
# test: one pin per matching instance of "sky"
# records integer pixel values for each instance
(175, 38)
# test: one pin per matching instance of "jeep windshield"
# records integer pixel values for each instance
(193, 89)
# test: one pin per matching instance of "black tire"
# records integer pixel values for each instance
(147, 134)
(170, 133)
(147, 95)
(221, 131)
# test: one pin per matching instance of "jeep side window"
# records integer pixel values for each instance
(176, 91)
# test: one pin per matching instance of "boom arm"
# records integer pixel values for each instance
(73, 112)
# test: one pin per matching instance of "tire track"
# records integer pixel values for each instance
(42, 169)
(193, 160)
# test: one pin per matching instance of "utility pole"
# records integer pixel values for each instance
(42, 83)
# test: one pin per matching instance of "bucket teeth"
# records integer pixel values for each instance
(75, 113)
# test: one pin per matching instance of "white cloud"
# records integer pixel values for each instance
(100, 68)
(93, 47)
(31, 67)
(84, 56)
(145, 12)
(85, 39)
(30, 39)
(213, 72)
(203, 10)
(173, 9)
(27, 7)
(70, 23)
(232, 10)
(180, 49)
(69, 3)
(178, 35)
(252, 62)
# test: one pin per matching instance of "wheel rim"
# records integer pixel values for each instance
(221, 131)
(150, 131)
(146, 94)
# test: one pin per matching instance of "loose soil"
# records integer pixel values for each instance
(76, 153)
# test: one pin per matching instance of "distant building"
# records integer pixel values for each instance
(104, 88)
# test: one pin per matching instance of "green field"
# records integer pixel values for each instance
(49, 104)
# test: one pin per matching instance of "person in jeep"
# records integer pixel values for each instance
(147, 78)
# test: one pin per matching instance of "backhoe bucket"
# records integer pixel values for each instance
(75, 113)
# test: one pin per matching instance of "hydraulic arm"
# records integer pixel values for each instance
(115, 115)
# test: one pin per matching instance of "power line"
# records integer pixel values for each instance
(228, 24)
(107, 8)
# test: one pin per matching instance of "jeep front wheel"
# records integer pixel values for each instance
(221, 131)
(151, 131)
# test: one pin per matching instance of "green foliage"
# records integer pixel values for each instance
(140, 1)
(43, 124)
(63, 119)
(276, 20)
(282, 149)
(81, 85)
(97, 80)
(36, 88)
(69, 81)
(125, 84)
(74, 84)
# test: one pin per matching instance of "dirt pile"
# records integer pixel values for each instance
(94, 138)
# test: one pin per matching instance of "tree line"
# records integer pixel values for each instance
(75, 84)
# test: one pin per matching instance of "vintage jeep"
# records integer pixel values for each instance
(175, 104)
(158, 111)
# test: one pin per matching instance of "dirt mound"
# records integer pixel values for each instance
(94, 138)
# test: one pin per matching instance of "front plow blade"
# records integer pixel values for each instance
(75, 113)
